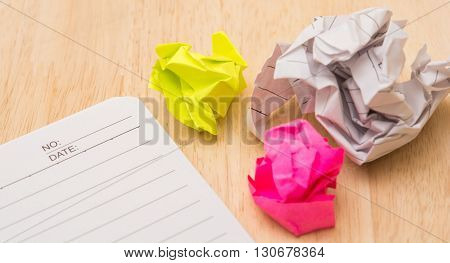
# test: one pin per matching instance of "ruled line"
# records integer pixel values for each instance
(136, 169)
(258, 111)
(85, 136)
(373, 65)
(81, 152)
(156, 221)
(278, 95)
(126, 214)
(95, 207)
(186, 229)
(70, 177)
(216, 237)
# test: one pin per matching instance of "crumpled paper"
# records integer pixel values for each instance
(292, 179)
(199, 89)
(269, 95)
(344, 69)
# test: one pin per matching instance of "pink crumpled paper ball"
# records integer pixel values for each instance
(292, 179)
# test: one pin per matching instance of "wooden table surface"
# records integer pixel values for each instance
(58, 57)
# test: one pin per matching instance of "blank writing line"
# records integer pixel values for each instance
(186, 229)
(63, 210)
(96, 207)
(127, 213)
(216, 237)
(50, 166)
(70, 177)
(136, 169)
(94, 132)
(156, 221)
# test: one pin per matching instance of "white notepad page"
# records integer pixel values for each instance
(107, 174)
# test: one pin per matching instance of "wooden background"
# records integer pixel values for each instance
(59, 57)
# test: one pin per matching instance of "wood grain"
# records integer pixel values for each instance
(59, 57)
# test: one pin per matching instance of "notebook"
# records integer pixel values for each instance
(109, 173)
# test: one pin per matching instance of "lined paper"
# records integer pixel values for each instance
(107, 174)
